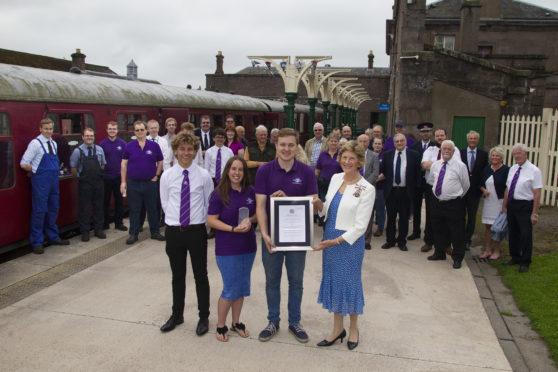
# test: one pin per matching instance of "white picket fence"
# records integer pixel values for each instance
(540, 134)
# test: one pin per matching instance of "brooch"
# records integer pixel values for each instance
(359, 189)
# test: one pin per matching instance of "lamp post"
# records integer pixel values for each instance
(291, 73)
(313, 82)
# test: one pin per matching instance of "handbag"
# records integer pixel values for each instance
(500, 228)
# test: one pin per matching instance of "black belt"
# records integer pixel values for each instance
(186, 228)
(399, 187)
(449, 201)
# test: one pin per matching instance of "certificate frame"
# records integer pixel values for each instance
(303, 204)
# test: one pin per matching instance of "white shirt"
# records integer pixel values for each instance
(34, 153)
(201, 187)
(403, 182)
(210, 161)
(165, 149)
(530, 178)
(456, 180)
(431, 154)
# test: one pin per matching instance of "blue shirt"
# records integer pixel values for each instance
(74, 159)
(113, 156)
(34, 153)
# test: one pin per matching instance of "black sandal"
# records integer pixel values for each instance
(239, 327)
(223, 331)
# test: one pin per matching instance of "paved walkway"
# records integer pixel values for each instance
(419, 316)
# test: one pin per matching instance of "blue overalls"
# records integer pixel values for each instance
(45, 198)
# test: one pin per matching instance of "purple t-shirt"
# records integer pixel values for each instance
(113, 155)
(229, 243)
(142, 164)
(300, 180)
(327, 165)
(235, 146)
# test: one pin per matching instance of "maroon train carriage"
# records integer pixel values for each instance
(75, 101)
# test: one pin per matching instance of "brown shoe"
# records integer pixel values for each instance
(449, 251)
(425, 248)
(378, 232)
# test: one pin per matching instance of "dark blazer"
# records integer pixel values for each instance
(500, 178)
(417, 146)
(412, 172)
(198, 132)
(475, 174)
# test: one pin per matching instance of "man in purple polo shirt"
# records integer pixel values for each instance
(113, 148)
(142, 165)
(284, 176)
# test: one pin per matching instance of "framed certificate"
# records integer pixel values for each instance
(292, 227)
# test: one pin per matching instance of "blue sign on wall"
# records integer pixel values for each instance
(385, 107)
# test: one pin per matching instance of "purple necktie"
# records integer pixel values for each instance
(218, 167)
(424, 146)
(185, 201)
(511, 191)
(438, 190)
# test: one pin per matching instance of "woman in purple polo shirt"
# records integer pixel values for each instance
(235, 242)
(327, 165)
(232, 141)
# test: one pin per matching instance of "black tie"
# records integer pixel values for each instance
(398, 169)
(89, 151)
(206, 145)
(50, 148)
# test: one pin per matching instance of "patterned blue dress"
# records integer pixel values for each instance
(341, 287)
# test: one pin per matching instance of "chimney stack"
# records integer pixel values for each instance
(219, 70)
(78, 60)
(470, 24)
(132, 71)
(371, 60)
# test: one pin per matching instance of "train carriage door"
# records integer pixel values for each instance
(462, 125)
(10, 213)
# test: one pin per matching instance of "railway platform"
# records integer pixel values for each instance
(99, 305)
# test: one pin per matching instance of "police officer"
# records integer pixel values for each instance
(41, 161)
(87, 163)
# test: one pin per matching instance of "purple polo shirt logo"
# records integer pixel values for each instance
(119, 148)
(149, 152)
(297, 181)
(249, 201)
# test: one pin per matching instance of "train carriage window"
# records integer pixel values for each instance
(54, 117)
(7, 172)
(126, 121)
(194, 119)
(239, 120)
(5, 125)
(217, 121)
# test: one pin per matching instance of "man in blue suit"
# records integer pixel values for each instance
(401, 169)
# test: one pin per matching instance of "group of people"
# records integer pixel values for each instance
(214, 177)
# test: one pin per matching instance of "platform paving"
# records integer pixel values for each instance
(419, 316)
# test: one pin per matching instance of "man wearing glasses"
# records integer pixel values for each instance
(315, 146)
(205, 134)
(142, 165)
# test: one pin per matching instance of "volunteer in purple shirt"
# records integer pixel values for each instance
(327, 165)
(284, 176)
(235, 242)
(399, 128)
(113, 148)
(142, 164)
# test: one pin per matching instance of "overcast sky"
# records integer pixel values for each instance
(175, 42)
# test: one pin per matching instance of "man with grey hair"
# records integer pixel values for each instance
(273, 135)
(399, 129)
(258, 152)
(450, 182)
(476, 160)
(378, 131)
(241, 133)
(316, 145)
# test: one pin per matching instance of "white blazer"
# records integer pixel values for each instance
(354, 211)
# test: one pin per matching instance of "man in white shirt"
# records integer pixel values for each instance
(429, 156)
(185, 191)
(153, 129)
(170, 125)
(450, 180)
(217, 156)
(521, 203)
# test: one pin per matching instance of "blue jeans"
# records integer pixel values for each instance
(380, 208)
(295, 262)
(143, 192)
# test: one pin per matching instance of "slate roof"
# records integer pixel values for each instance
(511, 9)
(13, 57)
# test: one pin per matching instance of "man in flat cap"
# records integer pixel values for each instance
(399, 128)
(425, 131)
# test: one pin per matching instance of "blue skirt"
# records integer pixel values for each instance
(235, 271)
